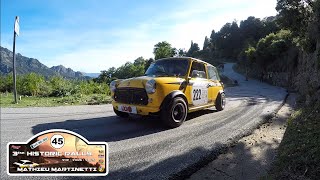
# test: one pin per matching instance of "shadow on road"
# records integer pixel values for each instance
(113, 128)
(241, 165)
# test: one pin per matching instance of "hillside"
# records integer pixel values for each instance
(67, 72)
(27, 65)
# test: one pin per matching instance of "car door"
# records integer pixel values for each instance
(198, 85)
(214, 83)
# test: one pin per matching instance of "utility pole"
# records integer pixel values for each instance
(15, 33)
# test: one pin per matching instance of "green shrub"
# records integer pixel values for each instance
(60, 86)
(33, 84)
(36, 85)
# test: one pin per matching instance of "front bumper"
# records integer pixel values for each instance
(141, 109)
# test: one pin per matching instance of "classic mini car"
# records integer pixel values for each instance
(171, 87)
(25, 164)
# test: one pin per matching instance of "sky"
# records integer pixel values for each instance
(94, 35)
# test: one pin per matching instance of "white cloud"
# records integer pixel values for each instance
(93, 49)
(95, 60)
(203, 17)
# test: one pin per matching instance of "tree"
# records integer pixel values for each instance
(163, 49)
(6, 83)
(270, 25)
(206, 43)
(139, 61)
(182, 52)
(194, 48)
(294, 15)
(227, 41)
(106, 76)
(129, 70)
(34, 84)
(148, 63)
(271, 48)
(60, 86)
(251, 54)
(251, 31)
(213, 40)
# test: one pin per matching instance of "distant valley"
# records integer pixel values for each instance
(93, 75)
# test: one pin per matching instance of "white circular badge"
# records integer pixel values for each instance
(57, 141)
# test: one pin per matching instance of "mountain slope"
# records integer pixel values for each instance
(25, 65)
(66, 72)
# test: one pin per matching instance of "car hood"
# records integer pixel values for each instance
(139, 82)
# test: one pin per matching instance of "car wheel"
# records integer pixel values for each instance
(175, 113)
(220, 101)
(121, 114)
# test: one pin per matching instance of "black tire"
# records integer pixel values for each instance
(121, 114)
(220, 101)
(175, 113)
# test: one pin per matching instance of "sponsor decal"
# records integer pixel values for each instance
(15, 147)
(57, 152)
(36, 144)
(101, 161)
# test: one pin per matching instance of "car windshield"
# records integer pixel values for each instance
(168, 67)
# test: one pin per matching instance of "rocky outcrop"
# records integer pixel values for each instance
(277, 79)
(301, 74)
(307, 75)
(66, 72)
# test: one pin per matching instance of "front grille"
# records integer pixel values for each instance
(131, 96)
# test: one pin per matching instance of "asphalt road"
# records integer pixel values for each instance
(141, 148)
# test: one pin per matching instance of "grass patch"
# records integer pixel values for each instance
(32, 101)
(299, 152)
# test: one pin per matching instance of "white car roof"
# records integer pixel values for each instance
(25, 160)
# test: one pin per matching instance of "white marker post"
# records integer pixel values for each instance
(15, 32)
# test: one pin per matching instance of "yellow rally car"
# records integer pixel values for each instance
(25, 164)
(171, 88)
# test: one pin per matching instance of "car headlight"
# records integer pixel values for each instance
(113, 86)
(151, 86)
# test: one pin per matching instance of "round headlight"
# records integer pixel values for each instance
(113, 86)
(151, 86)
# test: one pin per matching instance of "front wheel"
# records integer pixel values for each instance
(121, 114)
(175, 113)
(221, 101)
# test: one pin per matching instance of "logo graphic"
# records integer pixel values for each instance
(15, 147)
(57, 152)
(101, 161)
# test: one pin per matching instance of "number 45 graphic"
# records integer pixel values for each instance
(57, 141)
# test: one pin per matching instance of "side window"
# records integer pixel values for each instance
(213, 74)
(198, 70)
